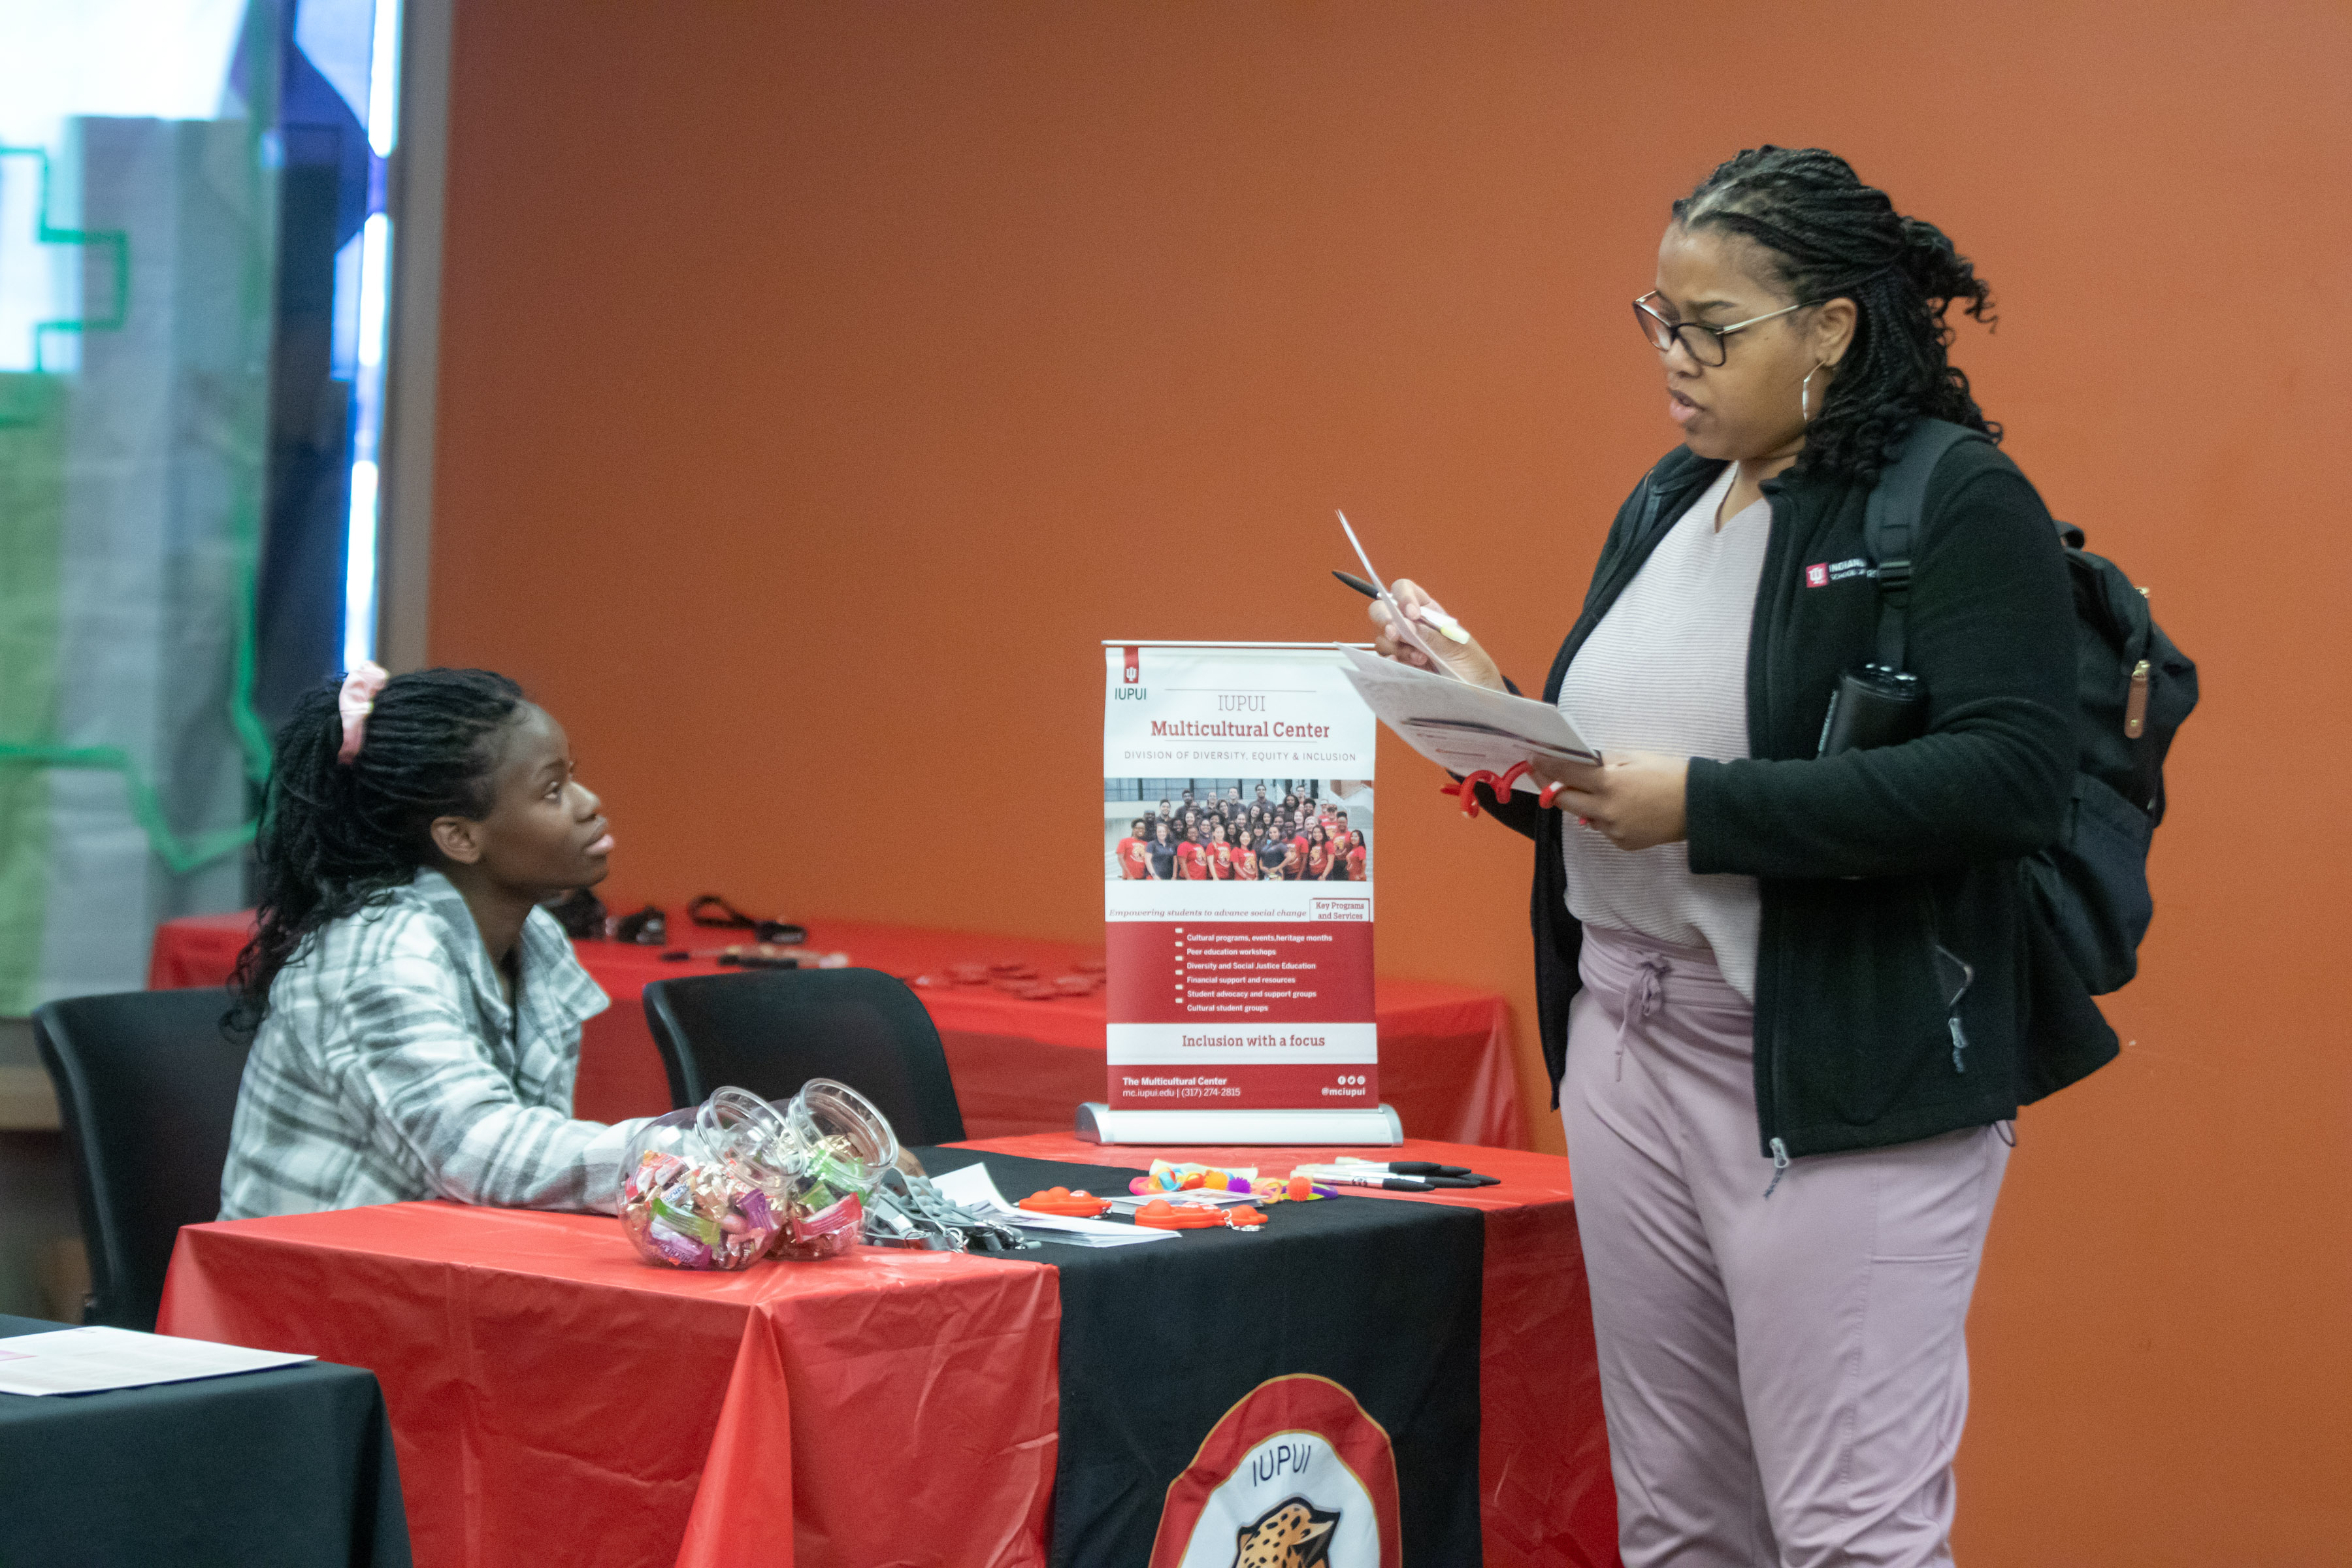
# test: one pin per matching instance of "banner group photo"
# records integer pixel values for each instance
(1237, 830)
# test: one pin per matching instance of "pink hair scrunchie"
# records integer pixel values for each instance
(356, 700)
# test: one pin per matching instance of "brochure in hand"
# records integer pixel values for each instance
(1460, 726)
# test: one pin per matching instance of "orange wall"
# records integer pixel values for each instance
(821, 384)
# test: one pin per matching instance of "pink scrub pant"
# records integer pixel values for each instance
(1785, 1377)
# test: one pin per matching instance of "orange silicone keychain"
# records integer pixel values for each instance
(1078, 1205)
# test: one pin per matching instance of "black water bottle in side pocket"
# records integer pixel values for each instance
(1873, 706)
(1880, 703)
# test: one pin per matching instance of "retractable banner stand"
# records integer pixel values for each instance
(1239, 850)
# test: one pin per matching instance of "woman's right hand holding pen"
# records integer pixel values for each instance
(1467, 659)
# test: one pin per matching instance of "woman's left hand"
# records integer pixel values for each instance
(1635, 799)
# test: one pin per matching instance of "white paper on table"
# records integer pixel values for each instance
(973, 1188)
(1460, 726)
(90, 1360)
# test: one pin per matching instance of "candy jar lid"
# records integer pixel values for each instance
(746, 1134)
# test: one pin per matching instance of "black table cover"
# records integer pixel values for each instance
(292, 1466)
(1158, 1341)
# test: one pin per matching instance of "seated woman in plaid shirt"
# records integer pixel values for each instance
(417, 1013)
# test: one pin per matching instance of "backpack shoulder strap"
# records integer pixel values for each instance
(1890, 529)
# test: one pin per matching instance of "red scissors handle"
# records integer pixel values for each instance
(1466, 791)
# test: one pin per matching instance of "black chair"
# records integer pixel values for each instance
(146, 1089)
(772, 1031)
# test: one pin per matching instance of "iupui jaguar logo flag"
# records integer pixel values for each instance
(1295, 1476)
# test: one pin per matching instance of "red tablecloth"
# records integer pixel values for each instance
(1446, 1059)
(553, 1400)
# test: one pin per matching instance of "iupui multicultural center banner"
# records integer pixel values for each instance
(1238, 854)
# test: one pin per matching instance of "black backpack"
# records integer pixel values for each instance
(2132, 690)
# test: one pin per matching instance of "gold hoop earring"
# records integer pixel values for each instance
(1805, 391)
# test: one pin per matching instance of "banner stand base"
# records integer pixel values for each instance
(1098, 1123)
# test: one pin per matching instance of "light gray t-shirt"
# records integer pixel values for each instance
(1667, 670)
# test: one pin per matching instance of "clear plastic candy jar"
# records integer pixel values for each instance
(705, 1187)
(837, 1145)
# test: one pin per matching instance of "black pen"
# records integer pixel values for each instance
(1435, 1174)
(1443, 622)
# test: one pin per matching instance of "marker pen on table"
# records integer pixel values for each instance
(1429, 1178)
(1429, 1170)
(1369, 1179)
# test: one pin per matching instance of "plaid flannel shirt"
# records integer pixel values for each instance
(390, 1068)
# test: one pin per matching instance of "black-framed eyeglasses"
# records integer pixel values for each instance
(1702, 342)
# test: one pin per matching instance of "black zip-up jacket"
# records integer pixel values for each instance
(1871, 860)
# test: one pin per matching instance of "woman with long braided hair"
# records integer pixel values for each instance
(1792, 997)
(415, 1014)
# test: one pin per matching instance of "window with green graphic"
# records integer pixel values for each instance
(139, 176)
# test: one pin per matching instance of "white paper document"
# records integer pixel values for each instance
(1460, 726)
(972, 1187)
(89, 1361)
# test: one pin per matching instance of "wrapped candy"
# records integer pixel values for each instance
(836, 1145)
(736, 1179)
(697, 1187)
